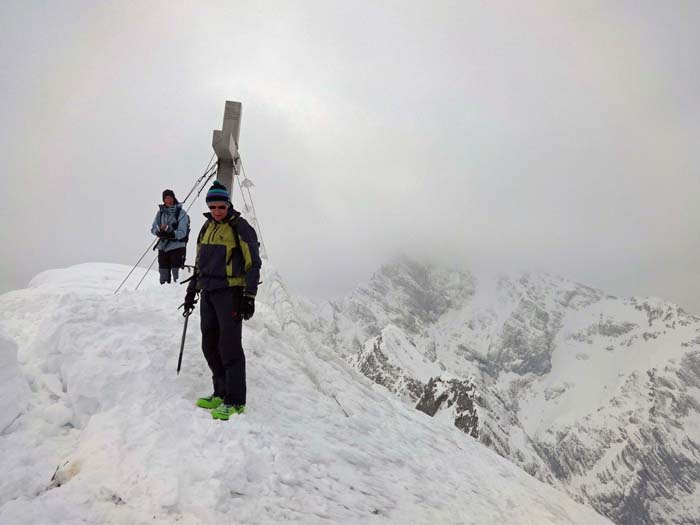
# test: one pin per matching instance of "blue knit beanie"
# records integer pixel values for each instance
(218, 193)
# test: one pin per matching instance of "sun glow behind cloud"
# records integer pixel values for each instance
(519, 134)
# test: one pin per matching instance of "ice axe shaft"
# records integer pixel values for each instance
(182, 344)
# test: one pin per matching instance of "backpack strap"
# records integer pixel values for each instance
(201, 232)
(186, 238)
(177, 219)
(238, 248)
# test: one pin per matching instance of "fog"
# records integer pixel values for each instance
(544, 136)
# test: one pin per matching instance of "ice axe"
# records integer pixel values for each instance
(182, 344)
(186, 314)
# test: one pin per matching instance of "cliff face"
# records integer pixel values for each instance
(591, 393)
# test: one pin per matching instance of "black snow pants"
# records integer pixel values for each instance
(171, 261)
(221, 342)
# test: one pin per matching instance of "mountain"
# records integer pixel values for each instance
(596, 395)
(98, 428)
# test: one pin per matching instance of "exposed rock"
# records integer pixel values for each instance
(456, 394)
(595, 395)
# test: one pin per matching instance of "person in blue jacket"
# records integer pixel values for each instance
(227, 270)
(171, 225)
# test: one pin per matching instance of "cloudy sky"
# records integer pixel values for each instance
(542, 135)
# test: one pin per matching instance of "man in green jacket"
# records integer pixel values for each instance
(227, 270)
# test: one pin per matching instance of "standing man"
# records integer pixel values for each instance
(226, 273)
(172, 226)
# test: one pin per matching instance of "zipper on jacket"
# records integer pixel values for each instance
(213, 231)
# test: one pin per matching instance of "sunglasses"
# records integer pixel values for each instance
(218, 207)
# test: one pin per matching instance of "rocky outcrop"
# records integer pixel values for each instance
(596, 395)
(375, 364)
(457, 395)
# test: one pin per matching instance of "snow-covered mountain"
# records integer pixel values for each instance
(596, 395)
(96, 427)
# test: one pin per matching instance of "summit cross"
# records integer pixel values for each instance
(225, 144)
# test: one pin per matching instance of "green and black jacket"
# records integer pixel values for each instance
(227, 255)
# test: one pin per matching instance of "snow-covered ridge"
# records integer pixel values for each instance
(594, 394)
(103, 431)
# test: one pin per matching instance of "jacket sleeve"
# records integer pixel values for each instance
(192, 285)
(182, 224)
(251, 255)
(156, 224)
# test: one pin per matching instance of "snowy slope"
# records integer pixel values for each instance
(597, 395)
(16, 400)
(103, 431)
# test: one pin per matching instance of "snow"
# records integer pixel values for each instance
(14, 386)
(584, 390)
(587, 374)
(401, 351)
(99, 428)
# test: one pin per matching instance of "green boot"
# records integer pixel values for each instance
(224, 411)
(209, 402)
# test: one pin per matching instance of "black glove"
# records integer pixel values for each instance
(247, 307)
(190, 301)
(165, 232)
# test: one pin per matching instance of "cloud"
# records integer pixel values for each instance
(532, 135)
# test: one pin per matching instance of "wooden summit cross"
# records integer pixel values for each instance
(225, 144)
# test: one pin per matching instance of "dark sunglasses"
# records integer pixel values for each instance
(218, 207)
